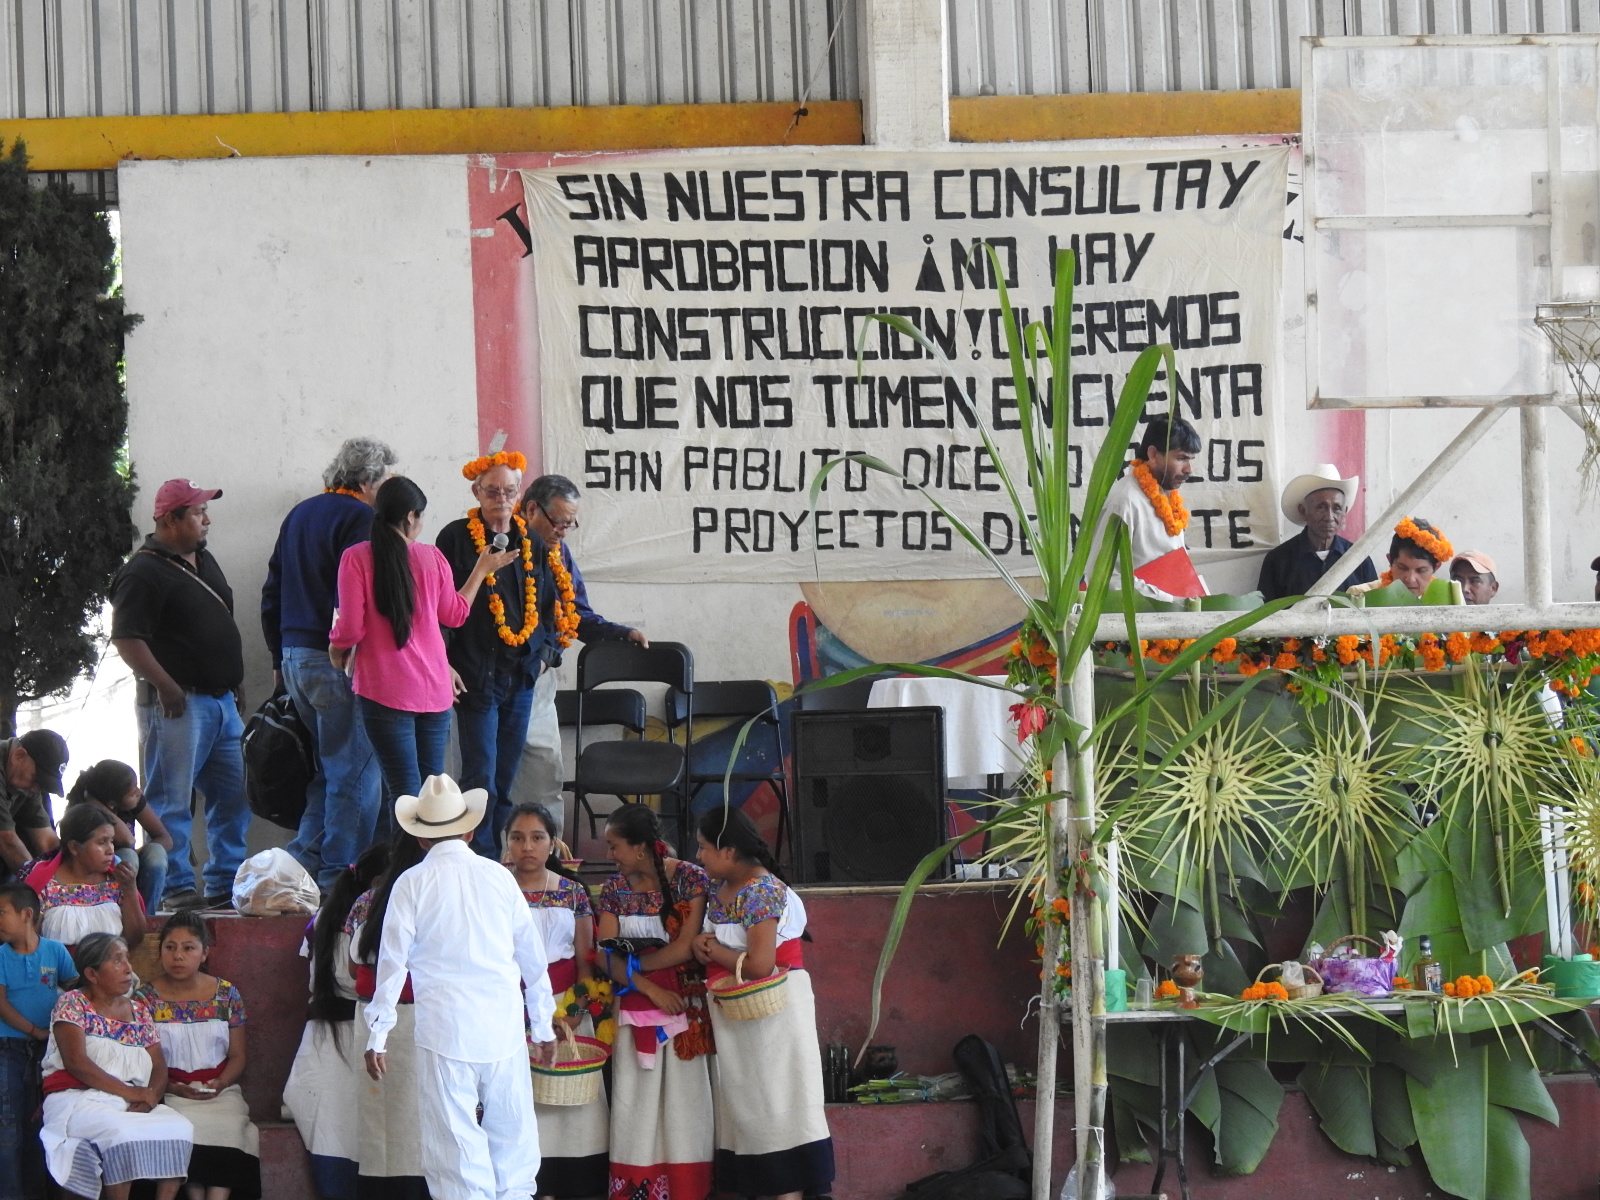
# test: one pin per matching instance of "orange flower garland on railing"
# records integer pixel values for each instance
(1168, 505)
(497, 605)
(505, 458)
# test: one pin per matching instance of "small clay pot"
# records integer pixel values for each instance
(1186, 971)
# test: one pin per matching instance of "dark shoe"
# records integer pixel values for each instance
(180, 901)
(222, 900)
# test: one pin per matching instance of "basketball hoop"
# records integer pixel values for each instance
(1573, 327)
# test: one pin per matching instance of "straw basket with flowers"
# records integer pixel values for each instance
(574, 1078)
(749, 1000)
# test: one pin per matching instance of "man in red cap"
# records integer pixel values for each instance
(172, 622)
(30, 770)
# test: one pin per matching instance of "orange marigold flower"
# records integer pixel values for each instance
(1449, 989)
(1040, 654)
(1402, 984)
(1247, 667)
(1226, 650)
(1557, 642)
(1318, 654)
(1432, 658)
(1483, 643)
(1166, 990)
(1292, 645)
(1558, 685)
(1015, 649)
(1062, 905)
(1346, 648)
(1536, 645)
(1485, 984)
(1456, 646)
(1286, 662)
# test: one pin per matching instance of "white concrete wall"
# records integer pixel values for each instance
(289, 304)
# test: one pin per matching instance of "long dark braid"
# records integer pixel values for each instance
(326, 1002)
(638, 825)
(405, 852)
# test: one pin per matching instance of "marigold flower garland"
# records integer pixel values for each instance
(1168, 505)
(505, 458)
(497, 604)
(344, 492)
(566, 600)
(1437, 546)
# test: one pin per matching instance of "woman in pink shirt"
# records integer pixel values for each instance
(394, 594)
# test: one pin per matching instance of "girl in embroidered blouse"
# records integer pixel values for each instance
(661, 1115)
(574, 1139)
(104, 1077)
(201, 1021)
(86, 890)
(772, 1132)
(113, 787)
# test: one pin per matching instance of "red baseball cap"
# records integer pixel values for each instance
(181, 493)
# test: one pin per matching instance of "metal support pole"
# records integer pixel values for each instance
(1378, 531)
(1535, 508)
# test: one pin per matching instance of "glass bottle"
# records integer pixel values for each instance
(1429, 972)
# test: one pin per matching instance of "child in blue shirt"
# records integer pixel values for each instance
(33, 972)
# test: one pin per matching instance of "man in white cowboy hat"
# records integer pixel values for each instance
(1318, 501)
(457, 923)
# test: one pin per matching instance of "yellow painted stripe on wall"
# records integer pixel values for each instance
(1123, 114)
(99, 143)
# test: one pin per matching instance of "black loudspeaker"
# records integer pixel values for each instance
(869, 793)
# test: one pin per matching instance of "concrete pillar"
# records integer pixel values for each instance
(905, 73)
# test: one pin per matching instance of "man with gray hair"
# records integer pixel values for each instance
(297, 604)
(550, 507)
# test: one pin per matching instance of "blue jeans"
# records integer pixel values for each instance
(493, 724)
(410, 746)
(149, 861)
(21, 1156)
(198, 750)
(341, 815)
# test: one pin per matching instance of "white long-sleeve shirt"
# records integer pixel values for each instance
(457, 923)
(1147, 536)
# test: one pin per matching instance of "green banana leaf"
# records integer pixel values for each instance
(1342, 1098)
(1468, 1131)
(1249, 1100)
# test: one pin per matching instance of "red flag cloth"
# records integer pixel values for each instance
(1174, 574)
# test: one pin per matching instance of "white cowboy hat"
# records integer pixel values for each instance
(1323, 475)
(443, 810)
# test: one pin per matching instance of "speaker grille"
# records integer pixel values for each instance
(870, 792)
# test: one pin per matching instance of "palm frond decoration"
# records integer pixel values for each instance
(1214, 803)
(1489, 754)
(1574, 793)
(1352, 814)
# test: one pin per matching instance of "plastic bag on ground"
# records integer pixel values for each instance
(273, 884)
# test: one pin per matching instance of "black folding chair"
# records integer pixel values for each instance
(633, 768)
(739, 700)
(616, 707)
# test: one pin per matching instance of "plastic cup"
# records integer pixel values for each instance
(1144, 994)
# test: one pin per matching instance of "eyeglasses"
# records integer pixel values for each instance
(509, 493)
(558, 526)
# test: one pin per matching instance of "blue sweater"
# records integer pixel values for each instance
(302, 587)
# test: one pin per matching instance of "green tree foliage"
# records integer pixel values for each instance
(64, 489)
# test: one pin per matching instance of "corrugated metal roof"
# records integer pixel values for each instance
(1055, 47)
(75, 58)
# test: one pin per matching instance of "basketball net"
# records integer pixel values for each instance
(1573, 328)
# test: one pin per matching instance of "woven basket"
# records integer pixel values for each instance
(1305, 991)
(574, 1078)
(742, 1000)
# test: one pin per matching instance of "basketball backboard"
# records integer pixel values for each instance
(1452, 186)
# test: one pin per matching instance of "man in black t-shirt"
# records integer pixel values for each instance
(172, 623)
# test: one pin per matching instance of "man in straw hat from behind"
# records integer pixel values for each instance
(1318, 501)
(457, 923)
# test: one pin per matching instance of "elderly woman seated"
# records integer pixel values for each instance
(104, 1123)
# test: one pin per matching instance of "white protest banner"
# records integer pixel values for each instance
(699, 315)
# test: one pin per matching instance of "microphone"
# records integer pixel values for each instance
(501, 541)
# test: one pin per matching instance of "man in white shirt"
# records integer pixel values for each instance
(457, 923)
(1166, 454)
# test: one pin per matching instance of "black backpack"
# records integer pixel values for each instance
(1004, 1171)
(280, 761)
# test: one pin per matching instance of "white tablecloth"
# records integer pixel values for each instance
(979, 737)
